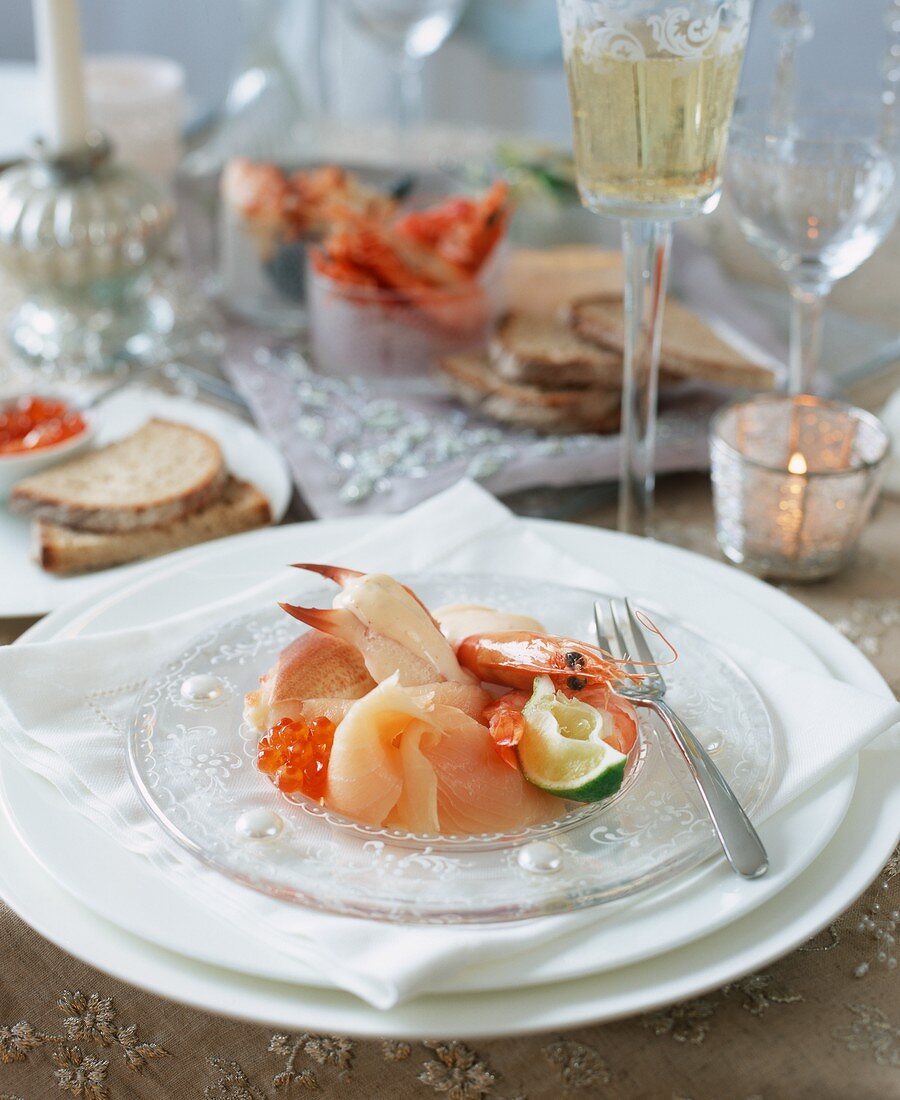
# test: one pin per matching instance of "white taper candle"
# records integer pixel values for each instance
(58, 45)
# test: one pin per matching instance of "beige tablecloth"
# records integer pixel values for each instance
(823, 1022)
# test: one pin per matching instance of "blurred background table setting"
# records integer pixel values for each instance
(595, 294)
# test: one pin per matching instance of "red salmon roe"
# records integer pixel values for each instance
(29, 423)
(295, 753)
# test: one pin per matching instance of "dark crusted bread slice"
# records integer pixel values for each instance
(690, 349)
(160, 473)
(471, 378)
(241, 507)
(541, 351)
(541, 281)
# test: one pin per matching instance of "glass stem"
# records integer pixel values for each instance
(807, 312)
(645, 247)
(409, 92)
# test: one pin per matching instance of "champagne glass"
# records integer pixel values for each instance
(651, 88)
(816, 191)
(411, 30)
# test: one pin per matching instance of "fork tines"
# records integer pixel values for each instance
(619, 632)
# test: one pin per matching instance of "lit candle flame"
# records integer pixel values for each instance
(797, 464)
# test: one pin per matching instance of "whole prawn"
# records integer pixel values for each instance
(514, 657)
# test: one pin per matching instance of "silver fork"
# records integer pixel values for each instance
(625, 640)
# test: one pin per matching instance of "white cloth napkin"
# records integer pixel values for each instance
(65, 705)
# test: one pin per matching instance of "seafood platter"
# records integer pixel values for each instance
(438, 748)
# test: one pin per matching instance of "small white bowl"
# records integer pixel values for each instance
(15, 466)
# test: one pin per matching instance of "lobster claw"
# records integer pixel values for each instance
(337, 573)
(343, 576)
(334, 621)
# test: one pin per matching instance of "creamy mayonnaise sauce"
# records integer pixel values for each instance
(384, 606)
(460, 620)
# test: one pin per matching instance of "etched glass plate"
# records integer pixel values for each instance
(193, 761)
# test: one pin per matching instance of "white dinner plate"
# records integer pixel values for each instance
(845, 868)
(25, 589)
(95, 869)
(694, 576)
(120, 887)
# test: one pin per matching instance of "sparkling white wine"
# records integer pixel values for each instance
(650, 129)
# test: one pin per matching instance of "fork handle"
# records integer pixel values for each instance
(743, 848)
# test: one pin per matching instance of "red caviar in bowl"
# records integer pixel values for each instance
(32, 422)
(296, 753)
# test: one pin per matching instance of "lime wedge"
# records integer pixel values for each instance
(562, 750)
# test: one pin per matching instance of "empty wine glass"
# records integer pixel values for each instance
(816, 192)
(411, 30)
(263, 112)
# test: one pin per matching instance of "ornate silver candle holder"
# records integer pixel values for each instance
(80, 233)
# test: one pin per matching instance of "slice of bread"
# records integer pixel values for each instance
(473, 380)
(541, 351)
(162, 472)
(541, 281)
(690, 349)
(241, 507)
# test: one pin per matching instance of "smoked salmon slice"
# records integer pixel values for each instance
(427, 769)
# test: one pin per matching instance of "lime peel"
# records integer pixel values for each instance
(562, 750)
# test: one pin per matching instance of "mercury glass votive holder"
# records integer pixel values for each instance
(794, 481)
(80, 232)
